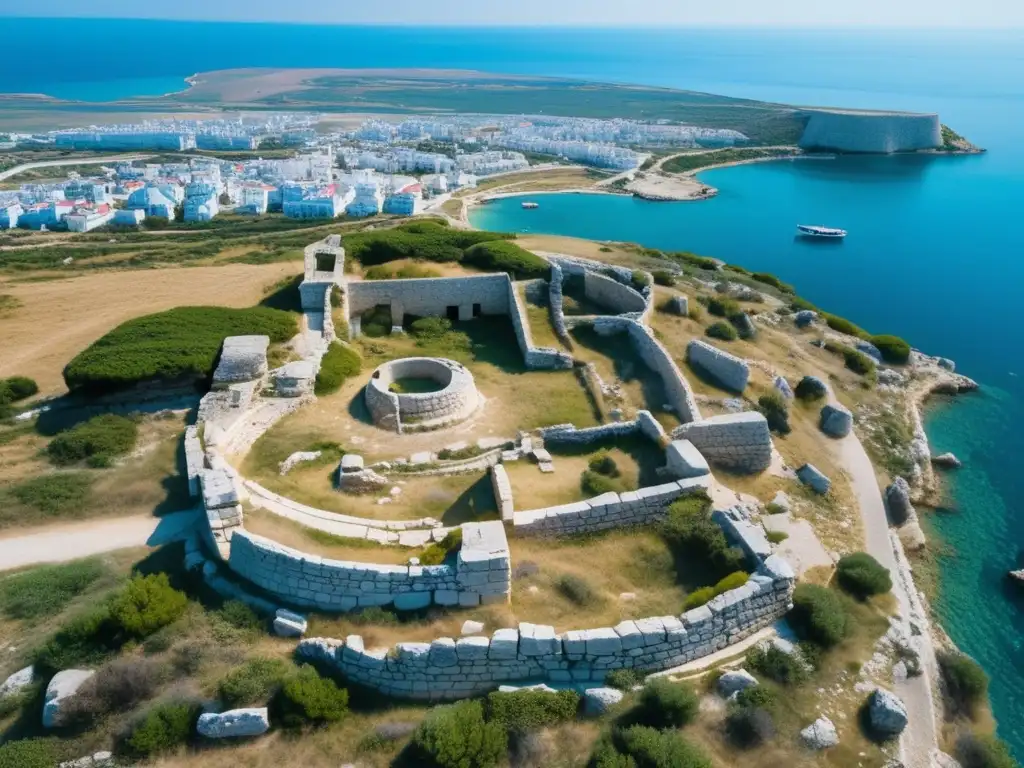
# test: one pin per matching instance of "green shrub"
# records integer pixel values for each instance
(784, 668)
(693, 260)
(842, 325)
(775, 509)
(664, 704)
(308, 698)
(164, 728)
(439, 551)
(456, 736)
(340, 363)
(640, 279)
(893, 348)
(749, 727)
(146, 604)
(797, 304)
(97, 441)
(577, 590)
(376, 322)
(54, 493)
(603, 464)
(854, 359)
(966, 682)
(772, 280)
(862, 576)
(181, 342)
(47, 589)
(17, 388)
(82, 641)
(240, 616)
(664, 277)
(818, 615)
(732, 581)
(425, 241)
(650, 748)
(698, 597)
(593, 484)
(723, 331)
(756, 696)
(776, 411)
(688, 528)
(983, 751)
(805, 390)
(430, 327)
(721, 306)
(28, 753)
(504, 256)
(255, 682)
(776, 537)
(624, 679)
(529, 710)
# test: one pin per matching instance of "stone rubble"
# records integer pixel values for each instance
(821, 734)
(836, 421)
(887, 713)
(234, 724)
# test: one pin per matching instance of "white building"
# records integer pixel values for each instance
(86, 218)
(408, 201)
(368, 198)
(125, 217)
(9, 213)
(256, 198)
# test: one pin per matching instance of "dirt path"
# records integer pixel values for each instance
(58, 544)
(71, 161)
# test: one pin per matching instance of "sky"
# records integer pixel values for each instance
(897, 13)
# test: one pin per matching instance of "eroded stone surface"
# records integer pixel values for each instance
(234, 723)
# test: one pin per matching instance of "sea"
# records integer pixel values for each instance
(936, 245)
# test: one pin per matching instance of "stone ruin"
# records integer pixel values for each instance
(455, 399)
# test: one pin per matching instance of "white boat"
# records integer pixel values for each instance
(811, 230)
(530, 205)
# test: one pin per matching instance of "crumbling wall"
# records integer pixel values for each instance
(731, 372)
(740, 442)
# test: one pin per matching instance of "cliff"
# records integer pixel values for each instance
(875, 132)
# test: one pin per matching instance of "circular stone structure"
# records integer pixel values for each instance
(454, 400)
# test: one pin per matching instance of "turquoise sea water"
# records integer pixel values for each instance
(936, 250)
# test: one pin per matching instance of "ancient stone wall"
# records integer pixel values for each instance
(480, 575)
(455, 400)
(555, 305)
(194, 460)
(728, 370)
(849, 131)
(324, 267)
(432, 296)
(536, 358)
(609, 510)
(610, 293)
(449, 669)
(502, 491)
(567, 434)
(740, 442)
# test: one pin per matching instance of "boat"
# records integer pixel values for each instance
(530, 206)
(811, 230)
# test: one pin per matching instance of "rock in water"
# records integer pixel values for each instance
(836, 421)
(733, 682)
(63, 685)
(887, 713)
(897, 499)
(597, 701)
(821, 734)
(234, 723)
(947, 460)
(1017, 575)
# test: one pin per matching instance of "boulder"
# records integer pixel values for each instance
(297, 458)
(679, 305)
(597, 701)
(811, 388)
(745, 326)
(887, 713)
(733, 682)
(95, 760)
(1017, 575)
(891, 377)
(783, 386)
(234, 724)
(947, 460)
(804, 318)
(897, 499)
(815, 478)
(836, 421)
(64, 684)
(821, 734)
(288, 624)
(17, 682)
(870, 350)
(470, 627)
(945, 362)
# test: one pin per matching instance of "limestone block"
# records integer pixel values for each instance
(242, 358)
(472, 648)
(597, 701)
(684, 460)
(602, 642)
(729, 370)
(17, 682)
(95, 760)
(504, 644)
(749, 537)
(630, 635)
(443, 653)
(288, 624)
(815, 478)
(733, 682)
(783, 387)
(64, 684)
(538, 640)
(821, 734)
(351, 462)
(836, 420)
(413, 601)
(234, 723)
(446, 597)
(218, 488)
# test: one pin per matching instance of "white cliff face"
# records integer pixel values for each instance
(876, 132)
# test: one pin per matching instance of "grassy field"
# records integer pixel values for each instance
(696, 160)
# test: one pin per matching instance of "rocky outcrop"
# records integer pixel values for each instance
(17, 682)
(947, 461)
(679, 305)
(353, 477)
(897, 500)
(597, 701)
(783, 386)
(812, 476)
(745, 326)
(821, 734)
(63, 685)
(731, 683)
(811, 388)
(288, 624)
(887, 713)
(836, 421)
(871, 132)
(804, 318)
(297, 458)
(242, 358)
(234, 724)
(870, 350)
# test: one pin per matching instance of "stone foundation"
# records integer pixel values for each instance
(454, 401)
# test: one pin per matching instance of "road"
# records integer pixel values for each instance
(71, 541)
(71, 161)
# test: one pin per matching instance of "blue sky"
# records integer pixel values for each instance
(905, 13)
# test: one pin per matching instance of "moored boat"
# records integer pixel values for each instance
(812, 230)
(531, 205)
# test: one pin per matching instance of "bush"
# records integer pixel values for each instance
(17, 388)
(604, 464)
(842, 325)
(732, 581)
(46, 590)
(776, 537)
(528, 710)
(456, 736)
(116, 687)
(504, 256)
(688, 527)
(893, 348)
(97, 441)
(698, 597)
(83, 641)
(162, 729)
(777, 665)
(756, 696)
(28, 753)
(255, 682)
(854, 359)
(806, 390)
(720, 306)
(650, 748)
(340, 363)
(240, 616)
(146, 604)
(965, 680)
(983, 751)
(624, 679)
(640, 279)
(862, 576)
(776, 411)
(664, 277)
(54, 493)
(577, 590)
(664, 704)
(425, 241)
(306, 697)
(818, 615)
(773, 281)
(723, 331)
(430, 327)
(749, 727)
(179, 343)
(439, 551)
(693, 260)
(593, 484)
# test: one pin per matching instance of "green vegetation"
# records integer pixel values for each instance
(818, 615)
(966, 683)
(894, 349)
(664, 704)
(54, 493)
(776, 537)
(17, 388)
(775, 664)
(47, 589)
(594, 484)
(664, 277)
(97, 441)
(862, 576)
(770, 279)
(430, 327)
(179, 343)
(528, 710)
(704, 595)
(983, 751)
(721, 306)
(255, 682)
(28, 753)
(776, 411)
(430, 240)
(640, 279)
(624, 679)
(854, 359)
(146, 604)
(503, 256)
(439, 551)
(409, 271)
(842, 325)
(641, 747)
(306, 698)
(699, 597)
(696, 160)
(340, 363)
(689, 529)
(749, 727)
(456, 736)
(721, 330)
(807, 390)
(164, 728)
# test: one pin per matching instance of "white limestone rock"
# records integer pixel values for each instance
(815, 478)
(288, 624)
(242, 358)
(17, 682)
(597, 701)
(95, 760)
(821, 734)
(947, 460)
(233, 724)
(470, 627)
(732, 682)
(683, 460)
(804, 318)
(836, 421)
(887, 713)
(64, 684)
(296, 458)
(782, 385)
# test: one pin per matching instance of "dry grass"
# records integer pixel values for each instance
(572, 177)
(57, 319)
(532, 489)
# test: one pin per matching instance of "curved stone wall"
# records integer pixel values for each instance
(454, 669)
(454, 401)
(610, 293)
(886, 132)
(731, 372)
